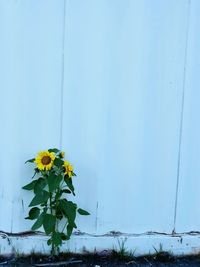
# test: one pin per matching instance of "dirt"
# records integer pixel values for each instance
(94, 260)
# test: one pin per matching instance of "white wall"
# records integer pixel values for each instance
(115, 106)
(31, 34)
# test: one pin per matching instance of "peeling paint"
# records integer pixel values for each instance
(4, 234)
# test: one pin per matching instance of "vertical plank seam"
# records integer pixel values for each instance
(62, 75)
(182, 114)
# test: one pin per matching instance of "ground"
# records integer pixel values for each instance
(95, 260)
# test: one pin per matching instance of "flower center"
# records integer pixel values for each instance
(46, 160)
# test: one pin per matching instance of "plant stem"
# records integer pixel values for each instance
(51, 210)
(64, 227)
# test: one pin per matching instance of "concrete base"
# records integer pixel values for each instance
(184, 244)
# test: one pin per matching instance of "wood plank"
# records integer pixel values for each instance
(30, 51)
(122, 102)
(188, 208)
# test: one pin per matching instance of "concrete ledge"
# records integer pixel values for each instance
(185, 244)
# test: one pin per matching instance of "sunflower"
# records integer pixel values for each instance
(45, 160)
(68, 168)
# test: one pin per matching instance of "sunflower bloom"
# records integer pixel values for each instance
(45, 160)
(68, 168)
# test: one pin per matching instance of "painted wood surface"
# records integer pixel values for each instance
(104, 80)
(123, 95)
(188, 208)
(31, 34)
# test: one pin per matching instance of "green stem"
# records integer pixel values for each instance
(56, 208)
(64, 227)
(51, 210)
(50, 198)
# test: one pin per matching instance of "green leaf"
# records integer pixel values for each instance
(30, 160)
(59, 214)
(68, 181)
(64, 236)
(39, 185)
(53, 181)
(38, 223)
(49, 223)
(69, 230)
(30, 186)
(54, 150)
(57, 239)
(40, 198)
(69, 210)
(33, 213)
(49, 242)
(67, 191)
(58, 162)
(36, 171)
(83, 212)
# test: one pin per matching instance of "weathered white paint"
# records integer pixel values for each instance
(188, 210)
(31, 34)
(139, 245)
(125, 81)
(105, 81)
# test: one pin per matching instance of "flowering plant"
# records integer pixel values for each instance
(51, 185)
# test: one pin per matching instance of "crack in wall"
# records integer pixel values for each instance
(182, 116)
(4, 234)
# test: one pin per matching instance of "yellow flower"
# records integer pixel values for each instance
(45, 160)
(68, 168)
(62, 154)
